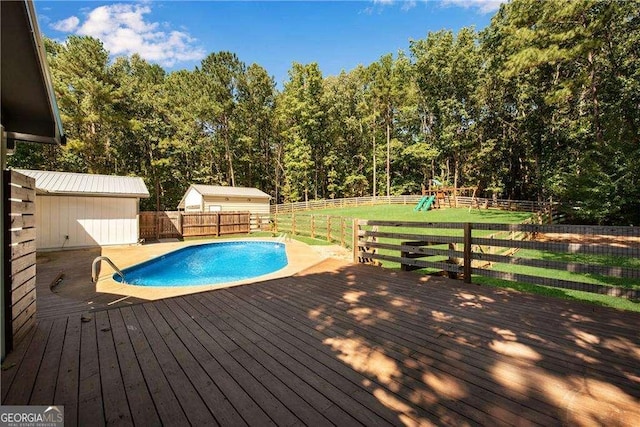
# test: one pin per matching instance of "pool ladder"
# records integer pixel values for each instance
(281, 238)
(96, 263)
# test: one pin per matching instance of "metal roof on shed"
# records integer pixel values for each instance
(82, 184)
(220, 190)
(224, 191)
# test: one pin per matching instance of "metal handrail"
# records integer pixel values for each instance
(94, 268)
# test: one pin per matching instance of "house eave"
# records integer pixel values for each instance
(29, 111)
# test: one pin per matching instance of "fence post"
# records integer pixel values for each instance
(293, 224)
(313, 227)
(354, 237)
(218, 224)
(342, 230)
(157, 224)
(467, 252)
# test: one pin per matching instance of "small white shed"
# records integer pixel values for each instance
(75, 210)
(213, 198)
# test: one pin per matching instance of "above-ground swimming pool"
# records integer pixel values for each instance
(208, 264)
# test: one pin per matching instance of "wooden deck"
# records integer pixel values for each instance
(339, 344)
(76, 294)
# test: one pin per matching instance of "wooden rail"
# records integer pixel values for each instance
(466, 249)
(334, 229)
(460, 201)
(19, 285)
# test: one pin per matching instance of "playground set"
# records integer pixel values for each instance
(440, 196)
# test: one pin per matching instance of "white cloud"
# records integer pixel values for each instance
(123, 30)
(66, 25)
(408, 5)
(379, 5)
(483, 6)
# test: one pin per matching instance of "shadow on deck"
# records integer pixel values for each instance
(337, 344)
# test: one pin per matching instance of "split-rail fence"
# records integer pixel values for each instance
(493, 250)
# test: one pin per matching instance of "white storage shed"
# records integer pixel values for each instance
(213, 198)
(75, 210)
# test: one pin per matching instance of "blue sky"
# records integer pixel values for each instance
(338, 35)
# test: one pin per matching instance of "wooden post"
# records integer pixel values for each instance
(217, 224)
(7, 325)
(293, 223)
(313, 227)
(156, 224)
(343, 228)
(354, 239)
(467, 252)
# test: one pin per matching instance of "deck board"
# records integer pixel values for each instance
(11, 366)
(115, 402)
(141, 405)
(335, 345)
(45, 385)
(68, 374)
(554, 349)
(90, 405)
(320, 366)
(408, 389)
(209, 391)
(166, 403)
(290, 389)
(22, 385)
(334, 395)
(261, 394)
(238, 398)
(193, 406)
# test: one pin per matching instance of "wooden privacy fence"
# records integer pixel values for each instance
(157, 225)
(19, 283)
(596, 259)
(215, 223)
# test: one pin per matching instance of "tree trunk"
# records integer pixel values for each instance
(232, 178)
(455, 183)
(448, 171)
(388, 159)
(375, 178)
(594, 96)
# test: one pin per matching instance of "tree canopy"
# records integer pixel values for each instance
(543, 103)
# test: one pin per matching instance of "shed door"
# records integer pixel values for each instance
(69, 221)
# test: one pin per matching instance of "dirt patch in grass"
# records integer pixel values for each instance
(588, 239)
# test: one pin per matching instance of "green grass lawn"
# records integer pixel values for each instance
(568, 294)
(406, 213)
(597, 279)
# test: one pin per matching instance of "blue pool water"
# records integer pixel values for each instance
(208, 264)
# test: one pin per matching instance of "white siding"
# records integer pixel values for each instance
(193, 199)
(239, 204)
(88, 221)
